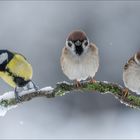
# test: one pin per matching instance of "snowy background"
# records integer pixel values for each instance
(38, 30)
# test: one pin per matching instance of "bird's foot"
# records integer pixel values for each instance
(33, 86)
(93, 81)
(77, 84)
(125, 92)
(17, 97)
(36, 88)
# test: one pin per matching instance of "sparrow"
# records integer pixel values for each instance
(131, 74)
(79, 59)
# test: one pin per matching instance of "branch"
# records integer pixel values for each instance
(7, 100)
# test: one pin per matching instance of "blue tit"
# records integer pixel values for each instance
(15, 70)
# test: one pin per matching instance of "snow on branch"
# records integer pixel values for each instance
(7, 100)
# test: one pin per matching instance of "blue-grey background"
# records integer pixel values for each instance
(38, 30)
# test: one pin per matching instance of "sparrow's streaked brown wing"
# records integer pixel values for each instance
(130, 61)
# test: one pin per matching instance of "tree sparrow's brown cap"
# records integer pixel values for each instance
(137, 57)
(78, 41)
(77, 35)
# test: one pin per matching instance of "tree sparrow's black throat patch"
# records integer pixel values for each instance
(79, 50)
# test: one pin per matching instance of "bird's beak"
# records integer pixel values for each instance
(78, 47)
(78, 43)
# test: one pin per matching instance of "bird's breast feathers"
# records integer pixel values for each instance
(131, 77)
(82, 67)
(16, 70)
(7, 78)
(18, 66)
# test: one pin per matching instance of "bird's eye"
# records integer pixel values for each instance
(69, 43)
(86, 43)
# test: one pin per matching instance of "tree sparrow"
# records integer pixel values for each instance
(79, 58)
(131, 73)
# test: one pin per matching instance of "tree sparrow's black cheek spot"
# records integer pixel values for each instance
(79, 50)
(86, 43)
(69, 44)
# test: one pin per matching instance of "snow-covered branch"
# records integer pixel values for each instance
(7, 100)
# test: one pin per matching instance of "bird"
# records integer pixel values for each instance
(79, 58)
(131, 74)
(16, 71)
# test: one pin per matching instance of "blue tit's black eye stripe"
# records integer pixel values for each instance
(3, 66)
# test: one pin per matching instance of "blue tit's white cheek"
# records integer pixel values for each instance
(3, 57)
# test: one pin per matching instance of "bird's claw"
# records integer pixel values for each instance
(93, 81)
(78, 84)
(35, 87)
(125, 92)
(18, 99)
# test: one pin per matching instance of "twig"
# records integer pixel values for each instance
(7, 100)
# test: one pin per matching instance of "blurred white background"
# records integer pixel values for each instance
(38, 30)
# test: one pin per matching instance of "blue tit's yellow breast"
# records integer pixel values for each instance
(8, 79)
(20, 67)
